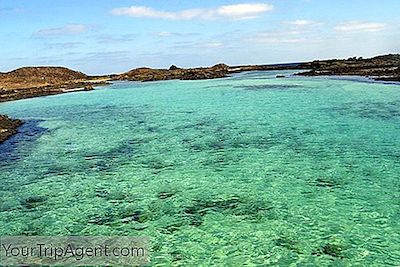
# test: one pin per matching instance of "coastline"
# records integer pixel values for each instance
(9, 126)
(380, 68)
(30, 92)
(29, 82)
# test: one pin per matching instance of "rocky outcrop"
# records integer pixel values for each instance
(29, 77)
(175, 73)
(30, 82)
(22, 93)
(385, 68)
(88, 87)
(40, 81)
(290, 66)
(173, 67)
(8, 127)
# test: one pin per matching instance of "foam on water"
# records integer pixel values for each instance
(245, 170)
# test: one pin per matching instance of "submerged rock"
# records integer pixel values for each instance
(33, 201)
(326, 182)
(164, 195)
(137, 216)
(332, 250)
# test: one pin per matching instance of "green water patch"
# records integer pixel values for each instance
(89, 115)
(157, 164)
(217, 139)
(194, 213)
(166, 194)
(33, 201)
(289, 244)
(218, 176)
(330, 249)
(169, 214)
(370, 110)
(327, 182)
(229, 86)
(114, 157)
(261, 87)
(201, 124)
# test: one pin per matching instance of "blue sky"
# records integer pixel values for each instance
(106, 36)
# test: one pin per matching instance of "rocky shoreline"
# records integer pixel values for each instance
(381, 68)
(16, 94)
(30, 82)
(8, 127)
(40, 81)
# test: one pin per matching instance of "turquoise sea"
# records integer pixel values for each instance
(249, 170)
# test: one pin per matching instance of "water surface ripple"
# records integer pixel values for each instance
(249, 170)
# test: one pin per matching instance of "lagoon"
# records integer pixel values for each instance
(249, 169)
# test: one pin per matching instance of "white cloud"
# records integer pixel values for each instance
(212, 45)
(70, 29)
(283, 37)
(164, 34)
(202, 44)
(66, 45)
(357, 26)
(302, 22)
(278, 40)
(244, 11)
(238, 11)
(167, 34)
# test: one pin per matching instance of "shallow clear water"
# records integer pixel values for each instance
(245, 170)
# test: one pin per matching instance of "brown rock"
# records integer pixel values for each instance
(40, 81)
(8, 127)
(88, 87)
(147, 74)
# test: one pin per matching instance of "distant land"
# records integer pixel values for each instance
(27, 82)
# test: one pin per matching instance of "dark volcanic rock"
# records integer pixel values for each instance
(386, 68)
(8, 127)
(389, 78)
(147, 74)
(173, 67)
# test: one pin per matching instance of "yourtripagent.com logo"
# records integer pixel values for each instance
(74, 251)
